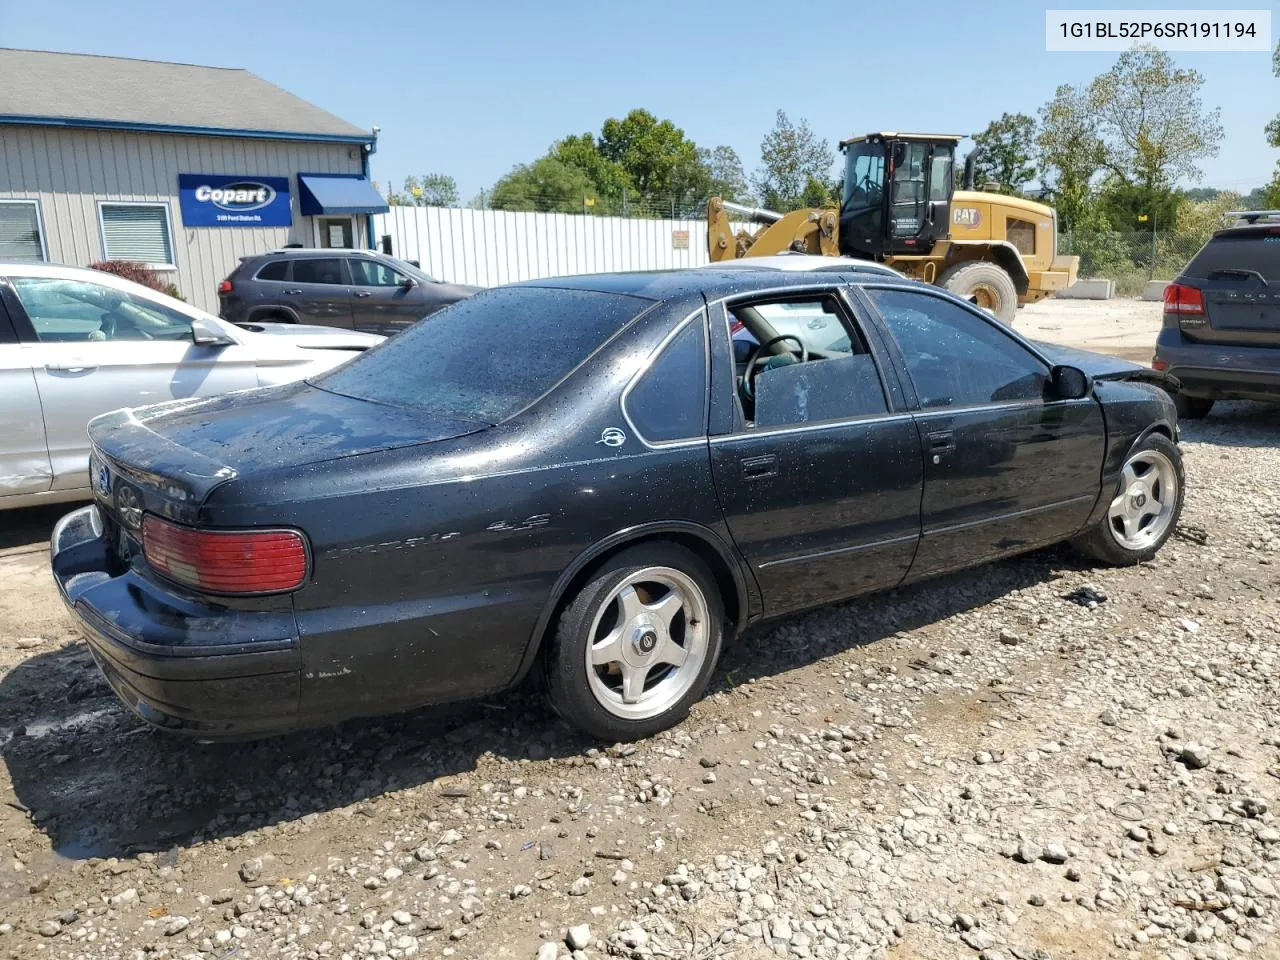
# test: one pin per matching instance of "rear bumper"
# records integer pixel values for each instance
(178, 664)
(1220, 372)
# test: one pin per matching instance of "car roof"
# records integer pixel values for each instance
(670, 284)
(804, 261)
(318, 251)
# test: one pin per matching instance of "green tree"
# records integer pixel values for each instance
(1153, 120)
(791, 155)
(428, 190)
(1271, 193)
(1070, 152)
(609, 177)
(728, 181)
(1008, 150)
(661, 161)
(547, 186)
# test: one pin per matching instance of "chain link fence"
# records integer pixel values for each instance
(1130, 259)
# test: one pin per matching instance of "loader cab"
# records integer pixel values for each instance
(897, 193)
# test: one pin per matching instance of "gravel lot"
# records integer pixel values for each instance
(1034, 759)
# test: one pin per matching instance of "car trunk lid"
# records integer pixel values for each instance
(1237, 274)
(176, 454)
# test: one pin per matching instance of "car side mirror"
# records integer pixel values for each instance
(408, 283)
(204, 335)
(1070, 383)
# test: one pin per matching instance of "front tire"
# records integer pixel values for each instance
(988, 283)
(636, 646)
(1145, 508)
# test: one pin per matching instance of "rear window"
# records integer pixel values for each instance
(1249, 249)
(489, 356)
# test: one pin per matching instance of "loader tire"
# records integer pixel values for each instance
(985, 283)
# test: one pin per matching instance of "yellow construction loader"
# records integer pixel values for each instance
(900, 207)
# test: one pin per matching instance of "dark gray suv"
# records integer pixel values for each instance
(356, 289)
(1221, 332)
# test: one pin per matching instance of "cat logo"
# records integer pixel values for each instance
(966, 217)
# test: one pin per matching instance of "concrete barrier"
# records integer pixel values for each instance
(1154, 289)
(1088, 290)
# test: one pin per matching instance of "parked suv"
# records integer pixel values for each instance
(1221, 333)
(357, 289)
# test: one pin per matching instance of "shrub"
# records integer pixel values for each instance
(138, 273)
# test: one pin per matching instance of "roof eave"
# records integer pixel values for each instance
(135, 127)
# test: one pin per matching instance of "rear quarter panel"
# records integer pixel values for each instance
(433, 565)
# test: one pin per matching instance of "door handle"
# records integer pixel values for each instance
(364, 293)
(292, 293)
(753, 468)
(71, 366)
(941, 442)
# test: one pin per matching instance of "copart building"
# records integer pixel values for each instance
(185, 168)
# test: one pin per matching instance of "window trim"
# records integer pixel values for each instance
(869, 333)
(649, 361)
(900, 358)
(168, 224)
(35, 202)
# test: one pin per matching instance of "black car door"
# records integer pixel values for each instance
(818, 471)
(1007, 465)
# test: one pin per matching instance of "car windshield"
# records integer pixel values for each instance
(487, 357)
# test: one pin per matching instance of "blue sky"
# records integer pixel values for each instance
(470, 89)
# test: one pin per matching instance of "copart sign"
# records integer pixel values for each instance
(218, 200)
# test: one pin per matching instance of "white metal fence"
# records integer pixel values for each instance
(491, 247)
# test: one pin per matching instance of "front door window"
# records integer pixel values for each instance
(336, 232)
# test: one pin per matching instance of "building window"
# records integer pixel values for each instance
(137, 232)
(21, 237)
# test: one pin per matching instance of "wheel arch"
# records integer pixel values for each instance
(1000, 252)
(708, 546)
(264, 314)
(1111, 467)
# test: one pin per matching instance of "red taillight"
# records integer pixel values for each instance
(1183, 300)
(226, 286)
(226, 561)
(1159, 364)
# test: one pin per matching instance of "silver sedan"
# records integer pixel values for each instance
(75, 343)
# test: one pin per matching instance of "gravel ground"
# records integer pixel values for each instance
(1033, 759)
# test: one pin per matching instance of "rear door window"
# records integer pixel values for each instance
(330, 270)
(488, 357)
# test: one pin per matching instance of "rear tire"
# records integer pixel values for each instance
(1191, 408)
(637, 645)
(1144, 509)
(989, 282)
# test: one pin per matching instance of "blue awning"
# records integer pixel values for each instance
(338, 193)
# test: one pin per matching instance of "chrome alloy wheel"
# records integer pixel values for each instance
(1142, 511)
(648, 643)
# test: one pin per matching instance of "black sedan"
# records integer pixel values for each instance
(594, 478)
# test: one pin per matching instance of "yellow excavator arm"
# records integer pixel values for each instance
(807, 231)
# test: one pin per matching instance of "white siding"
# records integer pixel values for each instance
(70, 169)
(490, 247)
